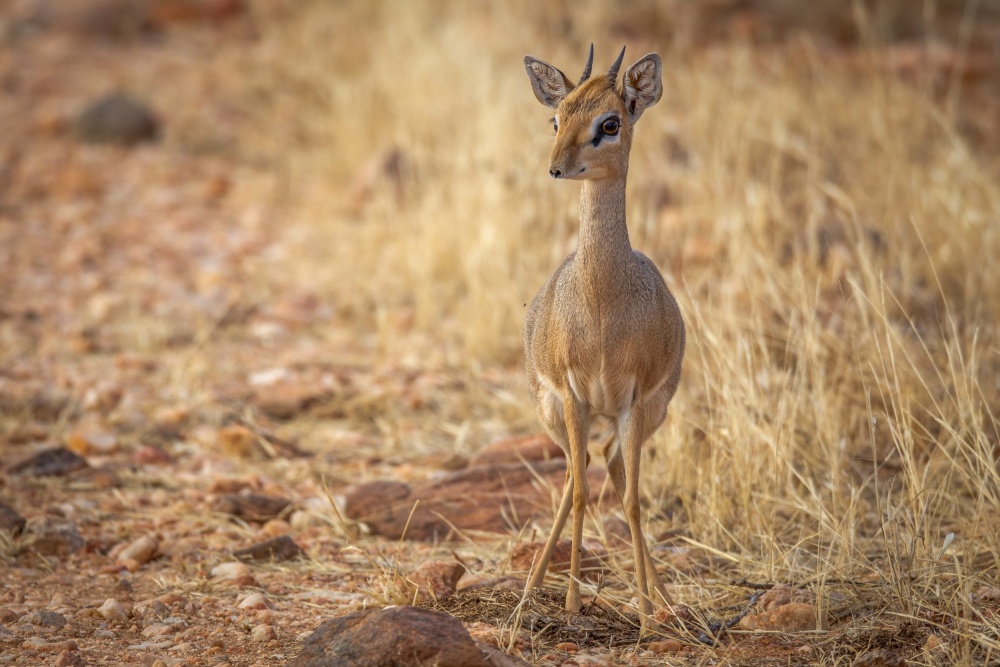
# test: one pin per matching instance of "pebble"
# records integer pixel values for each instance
(150, 609)
(70, 659)
(55, 537)
(113, 610)
(255, 601)
(56, 462)
(282, 547)
(239, 441)
(568, 647)
(263, 633)
(92, 442)
(117, 118)
(791, 617)
(230, 570)
(40, 644)
(10, 520)
(141, 550)
(48, 619)
(665, 646)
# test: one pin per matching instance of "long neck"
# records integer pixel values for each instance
(603, 233)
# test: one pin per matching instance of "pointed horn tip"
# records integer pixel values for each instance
(590, 63)
(613, 72)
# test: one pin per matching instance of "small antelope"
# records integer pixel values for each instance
(604, 336)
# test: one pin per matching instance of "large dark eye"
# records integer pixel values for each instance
(610, 126)
(555, 126)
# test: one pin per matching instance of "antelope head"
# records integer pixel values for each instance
(594, 118)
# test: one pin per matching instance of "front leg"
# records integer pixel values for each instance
(577, 415)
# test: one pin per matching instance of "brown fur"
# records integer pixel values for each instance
(604, 336)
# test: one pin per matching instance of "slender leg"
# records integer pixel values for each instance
(577, 421)
(616, 469)
(538, 575)
(630, 438)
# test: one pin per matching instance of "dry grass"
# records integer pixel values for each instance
(829, 231)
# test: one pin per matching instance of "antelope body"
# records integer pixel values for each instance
(604, 336)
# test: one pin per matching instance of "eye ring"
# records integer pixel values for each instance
(610, 127)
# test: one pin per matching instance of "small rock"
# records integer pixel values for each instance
(665, 646)
(251, 506)
(11, 521)
(150, 455)
(498, 636)
(284, 400)
(781, 594)
(41, 644)
(53, 462)
(932, 642)
(239, 441)
(49, 619)
(435, 579)
(396, 636)
(263, 633)
(150, 609)
(159, 630)
(8, 615)
(879, 657)
(791, 617)
(70, 659)
(92, 442)
(118, 119)
(987, 593)
(674, 616)
(279, 548)
(141, 550)
(55, 537)
(113, 610)
(230, 570)
(525, 554)
(568, 647)
(255, 601)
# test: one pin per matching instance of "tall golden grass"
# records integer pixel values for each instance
(830, 234)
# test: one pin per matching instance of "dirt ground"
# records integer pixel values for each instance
(154, 323)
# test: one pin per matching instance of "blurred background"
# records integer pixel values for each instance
(296, 182)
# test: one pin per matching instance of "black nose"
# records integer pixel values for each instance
(555, 173)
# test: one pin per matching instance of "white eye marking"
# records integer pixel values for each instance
(597, 133)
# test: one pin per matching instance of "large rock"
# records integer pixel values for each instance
(117, 118)
(251, 506)
(397, 637)
(515, 450)
(55, 462)
(10, 520)
(494, 498)
(279, 548)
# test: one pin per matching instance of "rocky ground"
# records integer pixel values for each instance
(198, 461)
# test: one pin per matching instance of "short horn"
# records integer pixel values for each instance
(613, 72)
(590, 63)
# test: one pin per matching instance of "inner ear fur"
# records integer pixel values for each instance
(549, 84)
(643, 86)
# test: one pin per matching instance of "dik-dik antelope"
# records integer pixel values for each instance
(604, 336)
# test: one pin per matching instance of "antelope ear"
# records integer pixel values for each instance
(643, 87)
(550, 85)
